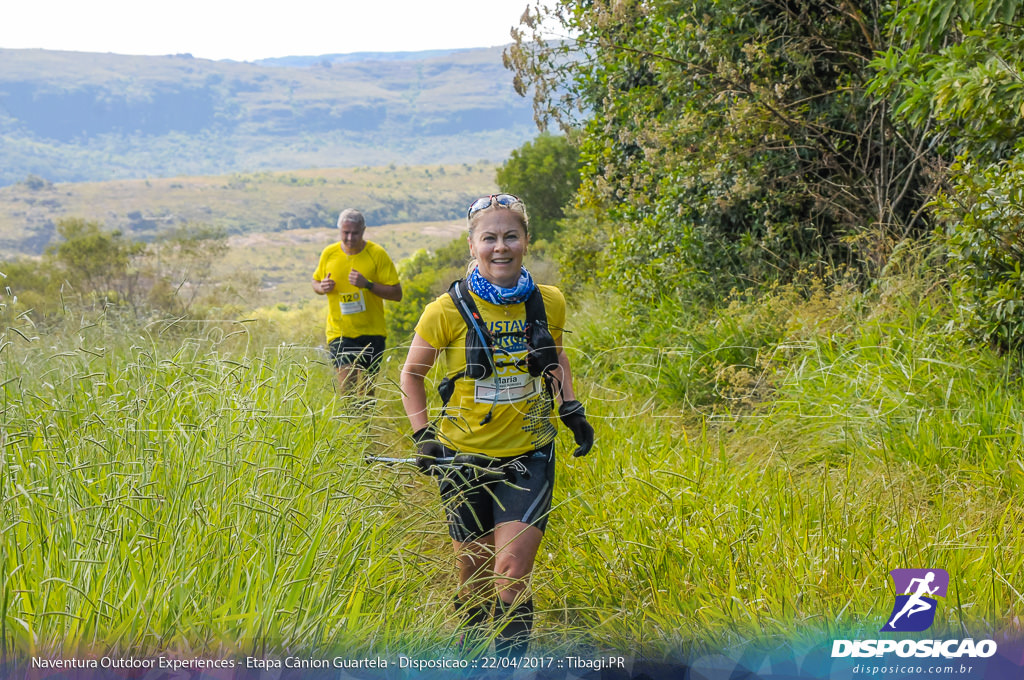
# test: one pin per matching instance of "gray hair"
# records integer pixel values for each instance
(352, 215)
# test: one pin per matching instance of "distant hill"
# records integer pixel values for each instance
(73, 117)
(358, 56)
(241, 203)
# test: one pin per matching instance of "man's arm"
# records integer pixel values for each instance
(392, 292)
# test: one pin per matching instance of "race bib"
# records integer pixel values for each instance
(352, 303)
(510, 388)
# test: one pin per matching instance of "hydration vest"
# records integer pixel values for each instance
(541, 355)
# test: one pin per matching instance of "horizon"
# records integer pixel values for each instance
(227, 30)
(439, 50)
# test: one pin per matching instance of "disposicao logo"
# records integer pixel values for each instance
(916, 604)
(914, 611)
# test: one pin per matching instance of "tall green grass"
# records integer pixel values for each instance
(759, 469)
(198, 491)
(762, 468)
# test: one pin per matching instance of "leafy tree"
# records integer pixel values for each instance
(985, 234)
(37, 183)
(97, 264)
(27, 287)
(545, 174)
(724, 143)
(104, 267)
(957, 67)
(183, 263)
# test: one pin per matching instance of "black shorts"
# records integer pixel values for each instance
(365, 351)
(515, 489)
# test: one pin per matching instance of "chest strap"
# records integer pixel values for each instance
(541, 357)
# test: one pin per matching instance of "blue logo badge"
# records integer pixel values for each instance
(915, 605)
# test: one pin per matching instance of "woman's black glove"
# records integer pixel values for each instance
(428, 449)
(575, 418)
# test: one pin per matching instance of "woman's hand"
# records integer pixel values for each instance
(428, 449)
(571, 412)
(574, 417)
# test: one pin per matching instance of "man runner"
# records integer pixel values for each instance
(357, 276)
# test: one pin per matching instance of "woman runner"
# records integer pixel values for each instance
(498, 422)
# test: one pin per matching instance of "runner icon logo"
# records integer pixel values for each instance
(915, 606)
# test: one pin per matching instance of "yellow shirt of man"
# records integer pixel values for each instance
(523, 419)
(352, 311)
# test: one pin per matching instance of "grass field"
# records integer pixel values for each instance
(198, 488)
(242, 204)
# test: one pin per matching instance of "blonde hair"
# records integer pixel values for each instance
(518, 209)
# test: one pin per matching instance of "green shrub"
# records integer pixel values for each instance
(25, 286)
(424, 276)
(984, 214)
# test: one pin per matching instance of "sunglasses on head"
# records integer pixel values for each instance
(504, 200)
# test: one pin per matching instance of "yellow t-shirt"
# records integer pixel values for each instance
(352, 311)
(523, 419)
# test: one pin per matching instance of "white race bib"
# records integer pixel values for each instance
(511, 388)
(352, 303)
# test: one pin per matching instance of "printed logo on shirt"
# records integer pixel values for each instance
(509, 336)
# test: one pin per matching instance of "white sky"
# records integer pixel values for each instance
(256, 29)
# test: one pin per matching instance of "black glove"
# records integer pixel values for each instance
(428, 449)
(575, 418)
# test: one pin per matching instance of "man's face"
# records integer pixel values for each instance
(352, 237)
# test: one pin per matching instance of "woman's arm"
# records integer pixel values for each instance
(563, 374)
(571, 412)
(418, 362)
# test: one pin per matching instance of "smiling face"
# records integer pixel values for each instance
(498, 242)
